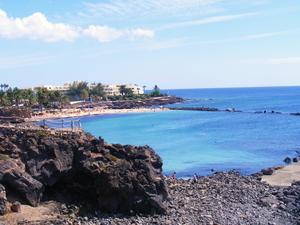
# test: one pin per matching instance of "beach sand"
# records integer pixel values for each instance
(69, 113)
(285, 176)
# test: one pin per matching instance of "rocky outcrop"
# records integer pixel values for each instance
(15, 112)
(131, 104)
(204, 109)
(112, 178)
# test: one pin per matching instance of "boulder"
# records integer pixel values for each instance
(295, 160)
(21, 182)
(268, 171)
(287, 160)
(16, 207)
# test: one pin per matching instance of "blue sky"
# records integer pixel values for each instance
(172, 43)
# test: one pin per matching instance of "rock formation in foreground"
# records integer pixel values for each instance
(37, 163)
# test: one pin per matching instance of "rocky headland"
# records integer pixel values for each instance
(39, 164)
(88, 181)
(131, 104)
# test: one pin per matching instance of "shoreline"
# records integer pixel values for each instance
(284, 176)
(74, 113)
(224, 197)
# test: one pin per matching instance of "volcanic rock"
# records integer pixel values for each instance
(268, 171)
(287, 160)
(16, 207)
(112, 178)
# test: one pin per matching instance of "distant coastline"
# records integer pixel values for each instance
(74, 113)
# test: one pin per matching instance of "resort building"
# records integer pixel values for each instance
(109, 89)
(114, 89)
(64, 87)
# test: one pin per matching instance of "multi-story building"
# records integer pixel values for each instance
(64, 87)
(114, 89)
(109, 89)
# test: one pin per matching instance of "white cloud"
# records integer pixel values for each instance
(245, 38)
(136, 8)
(208, 20)
(262, 35)
(108, 34)
(102, 33)
(35, 27)
(142, 33)
(282, 61)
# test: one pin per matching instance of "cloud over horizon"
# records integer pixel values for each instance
(38, 27)
(35, 27)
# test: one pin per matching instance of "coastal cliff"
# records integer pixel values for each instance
(36, 164)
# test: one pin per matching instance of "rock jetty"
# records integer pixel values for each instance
(36, 164)
(132, 104)
(204, 109)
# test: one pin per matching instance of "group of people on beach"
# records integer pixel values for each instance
(174, 178)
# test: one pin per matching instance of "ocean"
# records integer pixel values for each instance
(194, 142)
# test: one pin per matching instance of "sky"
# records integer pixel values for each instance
(171, 43)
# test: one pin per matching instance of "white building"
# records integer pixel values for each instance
(114, 89)
(109, 89)
(64, 87)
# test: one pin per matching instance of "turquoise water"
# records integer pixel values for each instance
(201, 142)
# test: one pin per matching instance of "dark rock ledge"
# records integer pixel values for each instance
(38, 165)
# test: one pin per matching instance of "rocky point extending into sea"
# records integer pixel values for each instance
(93, 182)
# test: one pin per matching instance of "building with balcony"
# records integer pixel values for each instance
(109, 89)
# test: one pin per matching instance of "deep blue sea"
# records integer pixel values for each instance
(192, 142)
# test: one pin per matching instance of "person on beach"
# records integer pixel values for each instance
(195, 178)
(173, 176)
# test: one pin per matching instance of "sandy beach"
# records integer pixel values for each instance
(69, 113)
(285, 176)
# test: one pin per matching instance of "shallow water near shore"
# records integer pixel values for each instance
(192, 142)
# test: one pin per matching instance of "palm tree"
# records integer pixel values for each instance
(144, 88)
(29, 96)
(42, 97)
(2, 98)
(122, 89)
(155, 92)
(10, 96)
(4, 87)
(98, 91)
(84, 94)
(18, 95)
(77, 88)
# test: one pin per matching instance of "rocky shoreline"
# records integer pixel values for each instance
(222, 198)
(93, 182)
(131, 104)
